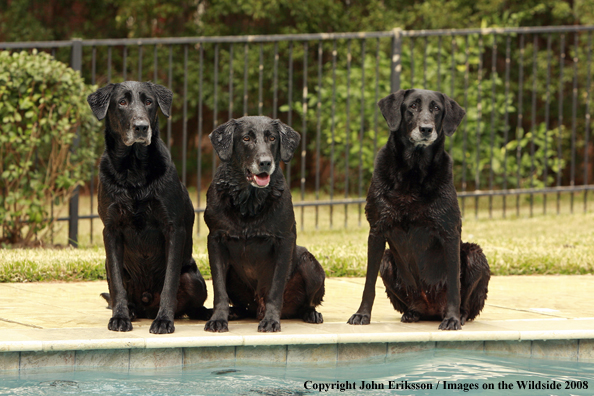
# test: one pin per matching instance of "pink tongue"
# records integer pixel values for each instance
(262, 179)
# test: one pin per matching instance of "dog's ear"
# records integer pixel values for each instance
(289, 140)
(222, 139)
(390, 108)
(164, 98)
(99, 101)
(452, 117)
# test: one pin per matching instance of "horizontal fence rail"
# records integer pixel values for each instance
(526, 91)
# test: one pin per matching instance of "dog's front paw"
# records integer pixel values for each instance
(269, 326)
(162, 326)
(313, 316)
(216, 326)
(359, 319)
(410, 317)
(118, 323)
(451, 323)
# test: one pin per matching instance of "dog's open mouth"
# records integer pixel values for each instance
(259, 180)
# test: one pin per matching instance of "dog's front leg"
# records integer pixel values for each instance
(376, 244)
(114, 249)
(219, 265)
(451, 320)
(163, 323)
(274, 301)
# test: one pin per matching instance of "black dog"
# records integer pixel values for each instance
(411, 204)
(146, 211)
(254, 260)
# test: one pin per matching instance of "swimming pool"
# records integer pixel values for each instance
(434, 372)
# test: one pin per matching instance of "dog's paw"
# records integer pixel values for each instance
(118, 323)
(410, 317)
(216, 326)
(313, 317)
(269, 326)
(452, 323)
(162, 326)
(360, 319)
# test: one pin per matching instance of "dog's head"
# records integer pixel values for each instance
(256, 145)
(131, 108)
(421, 117)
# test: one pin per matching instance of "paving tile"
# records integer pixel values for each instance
(262, 355)
(9, 360)
(312, 354)
(375, 352)
(209, 356)
(106, 358)
(37, 360)
(461, 345)
(155, 358)
(586, 350)
(396, 349)
(517, 348)
(555, 349)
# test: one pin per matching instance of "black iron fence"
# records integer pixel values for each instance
(526, 92)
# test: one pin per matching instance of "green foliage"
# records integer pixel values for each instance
(42, 106)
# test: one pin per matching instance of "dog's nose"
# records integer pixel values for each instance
(141, 127)
(426, 130)
(265, 163)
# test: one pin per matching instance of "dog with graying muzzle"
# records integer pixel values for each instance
(256, 265)
(147, 213)
(412, 206)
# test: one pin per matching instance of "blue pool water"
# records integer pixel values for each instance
(439, 372)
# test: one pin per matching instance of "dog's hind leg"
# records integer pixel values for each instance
(305, 290)
(192, 294)
(395, 290)
(475, 275)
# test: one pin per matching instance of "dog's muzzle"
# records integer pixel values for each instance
(258, 175)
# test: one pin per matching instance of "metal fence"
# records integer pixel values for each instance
(526, 92)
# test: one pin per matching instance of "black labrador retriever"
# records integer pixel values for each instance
(146, 212)
(412, 205)
(255, 263)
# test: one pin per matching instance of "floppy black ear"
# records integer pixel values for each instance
(222, 139)
(390, 108)
(164, 98)
(99, 101)
(289, 140)
(452, 117)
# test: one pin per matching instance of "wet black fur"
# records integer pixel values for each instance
(412, 205)
(255, 263)
(146, 212)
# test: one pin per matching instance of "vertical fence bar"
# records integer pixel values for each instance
(275, 83)
(108, 64)
(547, 124)
(319, 127)
(200, 115)
(155, 63)
(439, 63)
(348, 132)
(332, 127)
(493, 105)
(506, 117)
(587, 122)
(170, 85)
(303, 128)
(574, 117)
(92, 181)
(412, 62)
(479, 109)
(140, 63)
(261, 80)
(231, 81)
(245, 79)
(290, 105)
(533, 122)
(125, 64)
(396, 61)
(216, 102)
(76, 64)
(465, 136)
(362, 130)
(560, 122)
(185, 117)
(519, 128)
(375, 115)
(425, 63)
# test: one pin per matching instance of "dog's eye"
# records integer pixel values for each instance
(272, 138)
(435, 108)
(413, 106)
(246, 138)
(148, 102)
(123, 102)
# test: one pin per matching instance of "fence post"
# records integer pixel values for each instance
(75, 64)
(396, 65)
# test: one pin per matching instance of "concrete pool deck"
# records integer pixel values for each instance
(65, 325)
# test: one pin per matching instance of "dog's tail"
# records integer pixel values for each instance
(107, 298)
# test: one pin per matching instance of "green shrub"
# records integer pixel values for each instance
(42, 107)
